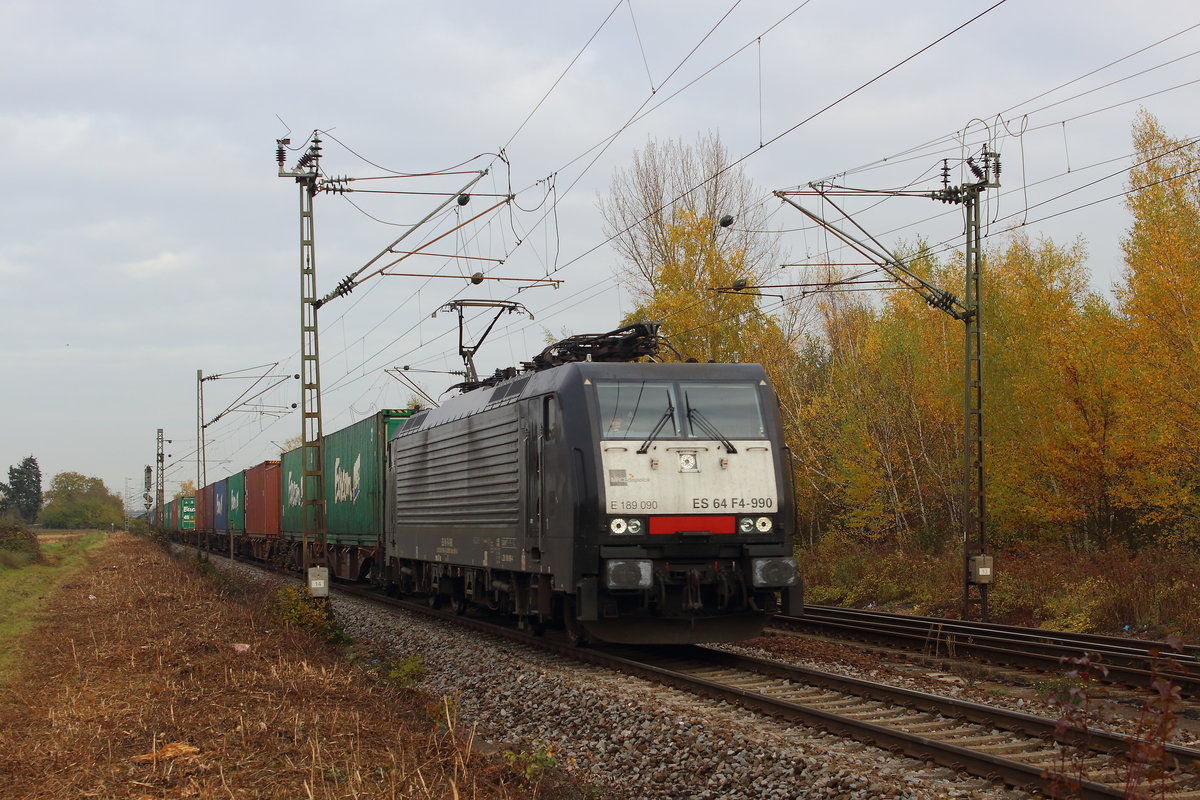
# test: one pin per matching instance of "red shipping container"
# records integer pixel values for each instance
(204, 508)
(262, 499)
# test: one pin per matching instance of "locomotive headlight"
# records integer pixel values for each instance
(634, 526)
(688, 462)
(746, 525)
(628, 573)
(773, 572)
(618, 526)
(764, 524)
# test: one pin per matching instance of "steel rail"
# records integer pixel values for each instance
(970, 640)
(1190, 652)
(947, 753)
(1031, 724)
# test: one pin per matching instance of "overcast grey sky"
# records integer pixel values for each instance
(145, 233)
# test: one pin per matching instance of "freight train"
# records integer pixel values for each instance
(628, 501)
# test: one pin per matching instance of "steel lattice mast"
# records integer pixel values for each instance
(977, 564)
(974, 518)
(312, 483)
(158, 484)
(307, 174)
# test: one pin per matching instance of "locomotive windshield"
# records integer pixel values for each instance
(731, 408)
(633, 409)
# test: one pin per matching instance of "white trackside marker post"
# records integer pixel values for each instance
(318, 581)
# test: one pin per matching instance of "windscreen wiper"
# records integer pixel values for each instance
(670, 412)
(701, 421)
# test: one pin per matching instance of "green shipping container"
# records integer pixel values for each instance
(169, 515)
(187, 513)
(237, 503)
(291, 473)
(354, 470)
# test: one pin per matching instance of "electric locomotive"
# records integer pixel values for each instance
(634, 502)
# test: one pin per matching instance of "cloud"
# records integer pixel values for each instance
(13, 269)
(45, 138)
(155, 266)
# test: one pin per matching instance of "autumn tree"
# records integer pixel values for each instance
(1057, 451)
(23, 492)
(186, 489)
(78, 501)
(1090, 407)
(685, 222)
(1159, 297)
(882, 416)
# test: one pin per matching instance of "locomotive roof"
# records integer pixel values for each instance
(531, 384)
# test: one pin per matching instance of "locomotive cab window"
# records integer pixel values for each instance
(549, 417)
(634, 409)
(731, 408)
(692, 410)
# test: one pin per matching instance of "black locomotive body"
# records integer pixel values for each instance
(636, 502)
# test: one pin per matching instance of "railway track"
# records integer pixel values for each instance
(1020, 750)
(1130, 662)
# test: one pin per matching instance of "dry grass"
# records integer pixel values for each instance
(135, 690)
(60, 536)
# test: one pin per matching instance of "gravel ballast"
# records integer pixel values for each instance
(634, 739)
(641, 739)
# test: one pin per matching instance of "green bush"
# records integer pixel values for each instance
(295, 607)
(530, 765)
(407, 671)
(19, 546)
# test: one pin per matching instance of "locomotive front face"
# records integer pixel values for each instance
(695, 519)
(657, 480)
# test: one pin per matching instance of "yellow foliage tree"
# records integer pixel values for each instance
(890, 388)
(670, 216)
(1057, 449)
(699, 322)
(1159, 298)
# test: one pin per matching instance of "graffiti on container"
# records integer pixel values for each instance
(346, 486)
(295, 496)
(219, 502)
(233, 502)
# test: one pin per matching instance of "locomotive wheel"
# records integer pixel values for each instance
(434, 601)
(575, 632)
(458, 597)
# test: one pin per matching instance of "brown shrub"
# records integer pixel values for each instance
(1153, 590)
